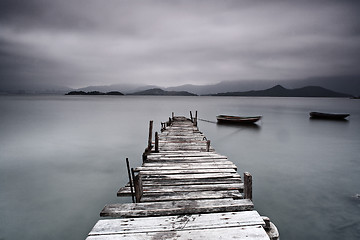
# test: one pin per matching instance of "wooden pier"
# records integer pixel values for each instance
(184, 190)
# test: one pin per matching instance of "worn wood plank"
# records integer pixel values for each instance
(199, 181)
(126, 191)
(248, 233)
(188, 153)
(186, 171)
(191, 176)
(178, 167)
(152, 197)
(178, 222)
(186, 227)
(176, 207)
(189, 161)
(162, 182)
(169, 156)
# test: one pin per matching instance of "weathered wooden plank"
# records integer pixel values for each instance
(191, 176)
(126, 191)
(163, 182)
(186, 161)
(207, 164)
(187, 171)
(189, 153)
(164, 149)
(229, 225)
(248, 233)
(182, 142)
(178, 222)
(176, 207)
(170, 155)
(161, 167)
(178, 182)
(191, 195)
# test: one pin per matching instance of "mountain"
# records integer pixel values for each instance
(280, 91)
(160, 92)
(113, 93)
(345, 84)
(224, 86)
(124, 88)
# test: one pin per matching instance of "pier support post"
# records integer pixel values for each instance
(130, 180)
(144, 156)
(191, 118)
(156, 142)
(137, 185)
(208, 145)
(150, 136)
(247, 185)
(195, 120)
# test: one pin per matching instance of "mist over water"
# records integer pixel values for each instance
(62, 158)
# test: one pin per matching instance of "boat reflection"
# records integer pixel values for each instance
(252, 126)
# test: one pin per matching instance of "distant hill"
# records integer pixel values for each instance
(160, 92)
(93, 93)
(280, 91)
(344, 84)
(125, 88)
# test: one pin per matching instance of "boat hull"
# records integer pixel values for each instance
(237, 120)
(335, 116)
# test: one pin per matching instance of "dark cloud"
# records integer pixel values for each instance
(79, 43)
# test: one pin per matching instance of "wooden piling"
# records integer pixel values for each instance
(156, 142)
(137, 185)
(195, 122)
(191, 117)
(247, 186)
(150, 136)
(208, 145)
(130, 180)
(144, 156)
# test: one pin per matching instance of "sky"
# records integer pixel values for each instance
(77, 43)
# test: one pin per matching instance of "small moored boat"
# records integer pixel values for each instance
(237, 119)
(335, 116)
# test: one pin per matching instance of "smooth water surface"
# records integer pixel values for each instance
(62, 158)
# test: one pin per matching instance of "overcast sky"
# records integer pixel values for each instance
(78, 43)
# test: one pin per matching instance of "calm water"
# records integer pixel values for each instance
(62, 160)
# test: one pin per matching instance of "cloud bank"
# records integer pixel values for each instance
(92, 42)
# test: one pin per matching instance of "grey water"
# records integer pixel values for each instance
(62, 158)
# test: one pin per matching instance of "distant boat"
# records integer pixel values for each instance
(237, 119)
(335, 116)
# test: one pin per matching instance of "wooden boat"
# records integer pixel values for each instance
(335, 116)
(237, 119)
